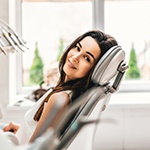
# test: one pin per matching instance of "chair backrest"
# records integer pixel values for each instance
(107, 75)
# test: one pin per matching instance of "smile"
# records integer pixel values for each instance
(71, 65)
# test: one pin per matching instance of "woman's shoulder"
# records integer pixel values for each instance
(59, 99)
(62, 95)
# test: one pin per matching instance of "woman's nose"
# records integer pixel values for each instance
(76, 58)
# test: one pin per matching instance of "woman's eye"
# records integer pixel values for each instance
(87, 59)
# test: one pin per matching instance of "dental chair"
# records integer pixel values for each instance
(107, 77)
(79, 132)
(87, 109)
(76, 129)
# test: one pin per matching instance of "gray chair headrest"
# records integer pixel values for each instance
(107, 66)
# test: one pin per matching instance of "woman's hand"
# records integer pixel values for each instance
(12, 127)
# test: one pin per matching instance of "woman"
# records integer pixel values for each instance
(76, 67)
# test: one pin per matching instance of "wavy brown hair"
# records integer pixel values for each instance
(78, 86)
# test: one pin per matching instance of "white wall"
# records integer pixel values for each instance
(122, 126)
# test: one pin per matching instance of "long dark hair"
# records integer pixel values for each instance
(78, 86)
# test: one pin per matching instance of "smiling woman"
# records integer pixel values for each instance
(81, 58)
(75, 78)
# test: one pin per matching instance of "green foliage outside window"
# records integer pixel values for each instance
(36, 70)
(61, 49)
(133, 71)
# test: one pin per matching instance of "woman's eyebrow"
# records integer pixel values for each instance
(79, 44)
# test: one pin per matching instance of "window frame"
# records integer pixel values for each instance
(98, 23)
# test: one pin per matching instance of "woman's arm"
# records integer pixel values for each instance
(61, 100)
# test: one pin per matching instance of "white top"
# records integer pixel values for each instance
(28, 125)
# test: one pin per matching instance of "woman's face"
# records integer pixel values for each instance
(81, 58)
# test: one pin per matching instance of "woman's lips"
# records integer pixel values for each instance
(71, 65)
